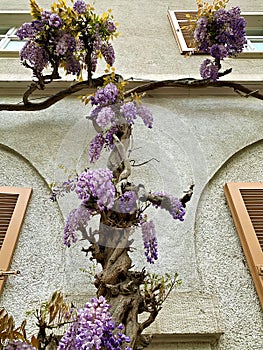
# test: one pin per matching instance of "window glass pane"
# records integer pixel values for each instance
(258, 46)
(14, 45)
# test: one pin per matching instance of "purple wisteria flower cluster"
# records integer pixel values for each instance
(94, 329)
(111, 111)
(172, 204)
(102, 139)
(149, 240)
(110, 108)
(97, 184)
(48, 42)
(76, 219)
(79, 6)
(209, 70)
(19, 345)
(220, 34)
(61, 38)
(127, 202)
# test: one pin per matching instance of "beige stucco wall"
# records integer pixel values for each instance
(198, 137)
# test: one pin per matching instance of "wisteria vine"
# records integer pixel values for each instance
(96, 188)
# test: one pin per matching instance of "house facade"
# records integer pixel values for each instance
(207, 137)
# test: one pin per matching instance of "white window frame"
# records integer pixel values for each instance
(178, 34)
(250, 47)
(9, 37)
(12, 20)
(254, 23)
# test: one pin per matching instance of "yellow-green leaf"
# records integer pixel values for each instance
(35, 9)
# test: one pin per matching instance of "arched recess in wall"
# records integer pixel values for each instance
(39, 253)
(9, 158)
(221, 264)
(216, 240)
(173, 160)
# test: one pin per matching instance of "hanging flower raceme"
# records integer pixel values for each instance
(127, 202)
(94, 329)
(172, 204)
(105, 96)
(96, 191)
(80, 6)
(63, 188)
(219, 33)
(149, 240)
(76, 219)
(60, 37)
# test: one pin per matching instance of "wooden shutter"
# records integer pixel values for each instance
(246, 204)
(13, 204)
(181, 29)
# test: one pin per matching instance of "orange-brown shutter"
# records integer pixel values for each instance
(181, 29)
(245, 200)
(13, 204)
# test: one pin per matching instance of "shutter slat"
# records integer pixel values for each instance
(7, 205)
(253, 200)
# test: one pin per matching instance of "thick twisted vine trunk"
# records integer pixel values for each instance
(120, 285)
(117, 282)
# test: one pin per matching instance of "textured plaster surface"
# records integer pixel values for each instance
(188, 313)
(39, 135)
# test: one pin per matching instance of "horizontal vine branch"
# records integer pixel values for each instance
(189, 83)
(195, 83)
